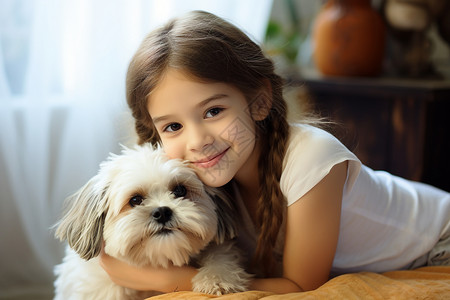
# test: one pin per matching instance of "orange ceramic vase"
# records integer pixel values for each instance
(349, 37)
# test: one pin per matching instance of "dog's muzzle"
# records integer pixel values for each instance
(162, 214)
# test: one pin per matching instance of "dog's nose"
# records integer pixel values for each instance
(162, 214)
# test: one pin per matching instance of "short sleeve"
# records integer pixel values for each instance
(310, 155)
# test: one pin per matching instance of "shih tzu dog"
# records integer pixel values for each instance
(147, 210)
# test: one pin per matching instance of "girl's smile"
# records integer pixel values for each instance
(210, 161)
(205, 123)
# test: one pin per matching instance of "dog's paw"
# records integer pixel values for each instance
(221, 272)
(218, 289)
(220, 284)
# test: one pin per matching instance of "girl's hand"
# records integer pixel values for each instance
(147, 278)
(123, 274)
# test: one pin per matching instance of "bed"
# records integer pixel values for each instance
(422, 283)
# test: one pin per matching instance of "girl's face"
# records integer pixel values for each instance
(207, 124)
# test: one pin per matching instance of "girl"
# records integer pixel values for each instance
(307, 206)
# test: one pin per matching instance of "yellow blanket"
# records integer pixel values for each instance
(422, 283)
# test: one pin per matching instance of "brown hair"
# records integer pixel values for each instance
(213, 50)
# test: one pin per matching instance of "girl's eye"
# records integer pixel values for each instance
(173, 127)
(136, 200)
(213, 112)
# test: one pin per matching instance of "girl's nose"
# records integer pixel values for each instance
(199, 138)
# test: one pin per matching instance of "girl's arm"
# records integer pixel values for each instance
(148, 278)
(311, 239)
(311, 236)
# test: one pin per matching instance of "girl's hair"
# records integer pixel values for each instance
(213, 50)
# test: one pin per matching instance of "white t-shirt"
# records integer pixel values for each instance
(386, 221)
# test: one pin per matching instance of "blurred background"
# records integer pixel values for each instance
(62, 96)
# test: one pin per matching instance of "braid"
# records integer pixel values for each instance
(271, 203)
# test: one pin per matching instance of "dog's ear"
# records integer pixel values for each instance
(226, 222)
(83, 221)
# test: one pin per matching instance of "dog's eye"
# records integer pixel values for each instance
(179, 191)
(136, 200)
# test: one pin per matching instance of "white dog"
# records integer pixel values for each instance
(147, 209)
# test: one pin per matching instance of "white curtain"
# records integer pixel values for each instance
(62, 110)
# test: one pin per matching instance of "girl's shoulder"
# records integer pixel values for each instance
(310, 155)
(308, 132)
(309, 143)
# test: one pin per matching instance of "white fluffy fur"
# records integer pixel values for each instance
(197, 231)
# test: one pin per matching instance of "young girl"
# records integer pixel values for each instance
(307, 206)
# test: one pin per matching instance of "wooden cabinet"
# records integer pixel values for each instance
(401, 126)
